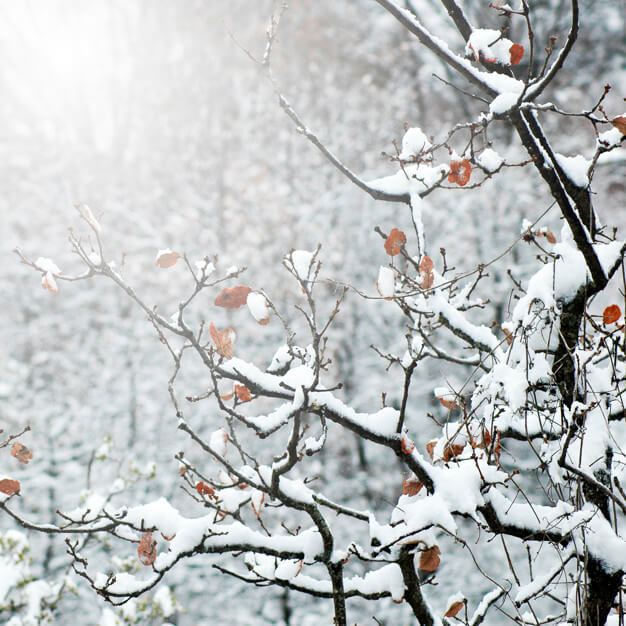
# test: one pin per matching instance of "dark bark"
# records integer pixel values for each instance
(412, 592)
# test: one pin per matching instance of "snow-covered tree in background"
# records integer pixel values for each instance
(530, 391)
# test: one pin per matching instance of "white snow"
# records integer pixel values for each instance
(414, 143)
(218, 442)
(257, 304)
(301, 262)
(47, 265)
(575, 168)
(386, 282)
(489, 159)
(502, 103)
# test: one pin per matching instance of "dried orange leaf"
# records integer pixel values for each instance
(232, 297)
(9, 487)
(21, 453)
(204, 490)
(429, 559)
(460, 172)
(430, 448)
(620, 124)
(454, 609)
(550, 236)
(166, 258)
(426, 267)
(223, 340)
(451, 451)
(411, 486)
(517, 53)
(147, 549)
(395, 242)
(611, 314)
(449, 403)
(243, 393)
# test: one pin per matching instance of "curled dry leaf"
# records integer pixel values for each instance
(452, 450)
(223, 340)
(49, 282)
(429, 559)
(517, 53)
(549, 235)
(395, 242)
(430, 448)
(166, 258)
(426, 267)
(611, 314)
(21, 453)
(620, 124)
(232, 297)
(146, 550)
(460, 172)
(411, 486)
(243, 393)
(449, 402)
(204, 490)
(9, 487)
(454, 609)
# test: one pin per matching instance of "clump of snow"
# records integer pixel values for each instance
(301, 261)
(218, 442)
(489, 160)
(386, 282)
(257, 304)
(502, 103)
(414, 143)
(47, 265)
(575, 168)
(490, 44)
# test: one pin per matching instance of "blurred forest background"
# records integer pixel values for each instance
(151, 113)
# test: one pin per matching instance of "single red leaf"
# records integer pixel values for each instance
(21, 453)
(517, 53)
(411, 486)
(223, 340)
(243, 393)
(166, 258)
(426, 267)
(460, 172)
(451, 451)
(611, 314)
(204, 490)
(449, 403)
(429, 559)
(232, 297)
(454, 609)
(9, 487)
(146, 550)
(395, 242)
(620, 124)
